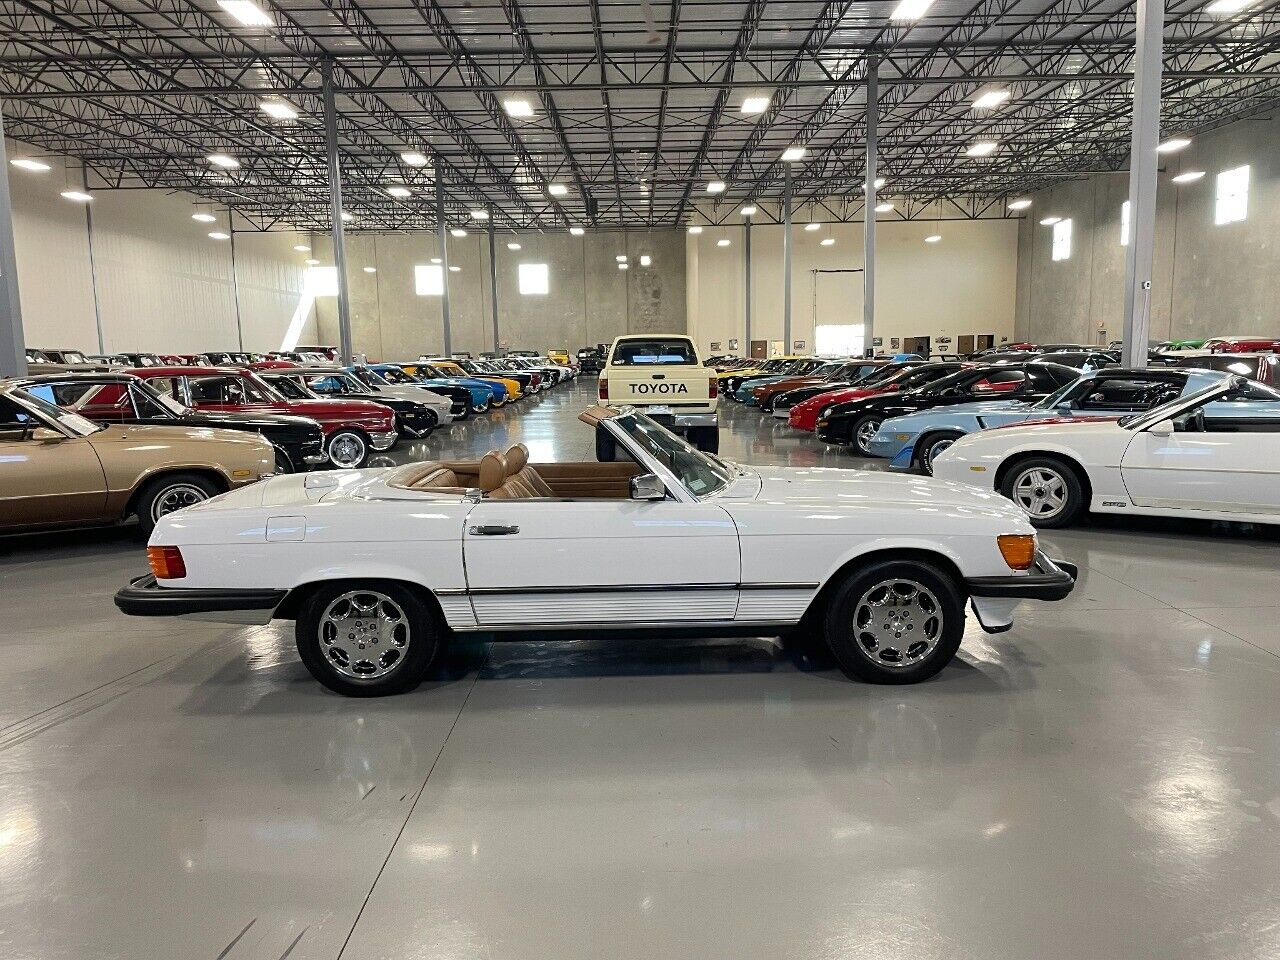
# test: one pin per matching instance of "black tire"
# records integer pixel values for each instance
(164, 495)
(862, 430)
(353, 449)
(283, 463)
(931, 445)
(1056, 478)
(327, 656)
(606, 446)
(706, 439)
(865, 651)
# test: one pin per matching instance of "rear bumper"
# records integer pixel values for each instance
(143, 597)
(1048, 580)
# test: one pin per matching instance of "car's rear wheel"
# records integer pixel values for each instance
(864, 428)
(897, 621)
(1047, 490)
(933, 445)
(348, 449)
(368, 639)
(170, 493)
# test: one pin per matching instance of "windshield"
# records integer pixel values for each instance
(161, 399)
(700, 474)
(1053, 399)
(1253, 392)
(634, 353)
(336, 384)
(77, 424)
(291, 388)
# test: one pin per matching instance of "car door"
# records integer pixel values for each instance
(567, 562)
(46, 477)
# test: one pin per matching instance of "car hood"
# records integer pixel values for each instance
(242, 421)
(330, 409)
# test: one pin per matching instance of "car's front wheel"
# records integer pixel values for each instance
(864, 428)
(931, 448)
(368, 639)
(1048, 491)
(896, 621)
(481, 407)
(348, 449)
(170, 493)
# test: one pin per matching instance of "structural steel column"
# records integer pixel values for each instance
(746, 286)
(786, 262)
(235, 281)
(442, 235)
(13, 354)
(335, 203)
(869, 215)
(493, 282)
(1143, 164)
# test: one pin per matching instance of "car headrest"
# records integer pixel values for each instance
(517, 456)
(493, 471)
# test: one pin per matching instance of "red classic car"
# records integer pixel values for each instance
(804, 415)
(1242, 344)
(352, 428)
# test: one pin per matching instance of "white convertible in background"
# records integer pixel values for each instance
(379, 566)
(1213, 455)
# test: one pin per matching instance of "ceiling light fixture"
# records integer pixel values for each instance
(557, 189)
(749, 210)
(722, 243)
(347, 217)
(219, 235)
(453, 269)
(302, 248)
(828, 242)
(79, 196)
(755, 104)
(413, 158)
(879, 183)
(26, 163)
(645, 260)
(1173, 144)
(576, 231)
(624, 266)
(207, 218)
(457, 232)
(518, 107)
(1049, 221)
(400, 192)
(479, 214)
(716, 186)
(370, 269)
(792, 154)
(990, 100)
(278, 109)
(1191, 176)
(933, 238)
(1019, 204)
(621, 258)
(513, 246)
(1227, 6)
(883, 207)
(983, 148)
(312, 263)
(695, 230)
(814, 225)
(910, 10)
(247, 12)
(436, 260)
(223, 161)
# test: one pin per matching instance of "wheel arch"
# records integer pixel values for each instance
(219, 479)
(294, 599)
(1067, 460)
(906, 551)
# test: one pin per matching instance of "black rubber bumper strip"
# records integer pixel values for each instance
(143, 597)
(1048, 580)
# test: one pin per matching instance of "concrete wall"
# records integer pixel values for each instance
(1208, 280)
(964, 284)
(136, 260)
(589, 300)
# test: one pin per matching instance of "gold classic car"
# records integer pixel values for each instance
(58, 469)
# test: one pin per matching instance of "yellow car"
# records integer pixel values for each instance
(730, 379)
(559, 355)
(450, 368)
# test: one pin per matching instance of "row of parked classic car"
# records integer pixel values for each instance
(1216, 420)
(97, 440)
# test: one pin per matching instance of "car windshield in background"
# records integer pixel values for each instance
(72, 421)
(700, 474)
(634, 353)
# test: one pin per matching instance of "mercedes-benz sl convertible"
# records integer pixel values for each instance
(379, 567)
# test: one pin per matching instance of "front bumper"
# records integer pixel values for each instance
(383, 441)
(143, 597)
(1048, 580)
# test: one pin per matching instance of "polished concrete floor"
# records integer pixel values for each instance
(1101, 782)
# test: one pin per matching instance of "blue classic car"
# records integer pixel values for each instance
(484, 394)
(914, 440)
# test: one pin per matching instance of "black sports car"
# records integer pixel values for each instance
(854, 377)
(857, 421)
(123, 398)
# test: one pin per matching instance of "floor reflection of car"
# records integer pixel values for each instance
(59, 469)
(379, 567)
(123, 398)
(1213, 455)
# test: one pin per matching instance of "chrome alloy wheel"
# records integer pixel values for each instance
(934, 450)
(1041, 492)
(346, 450)
(175, 498)
(364, 634)
(866, 430)
(897, 623)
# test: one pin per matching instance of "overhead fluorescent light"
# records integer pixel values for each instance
(1019, 204)
(695, 230)
(755, 104)
(983, 148)
(26, 163)
(1049, 221)
(400, 192)
(207, 218)
(479, 214)
(828, 242)
(722, 243)
(219, 235)
(453, 269)
(436, 260)
(749, 210)
(223, 161)
(624, 266)
(576, 231)
(370, 269)
(557, 189)
(247, 12)
(812, 226)
(990, 100)
(645, 260)
(278, 109)
(79, 196)
(933, 238)
(302, 248)
(347, 217)
(716, 186)
(1173, 144)
(910, 10)
(413, 158)
(1191, 176)
(621, 258)
(879, 183)
(312, 262)
(518, 107)
(792, 154)
(1227, 6)
(513, 246)
(883, 207)
(457, 232)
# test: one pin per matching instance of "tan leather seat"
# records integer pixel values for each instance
(493, 472)
(525, 476)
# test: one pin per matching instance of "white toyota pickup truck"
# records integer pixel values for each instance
(663, 376)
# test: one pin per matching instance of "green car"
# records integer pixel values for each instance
(1184, 345)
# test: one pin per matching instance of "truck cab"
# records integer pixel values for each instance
(663, 376)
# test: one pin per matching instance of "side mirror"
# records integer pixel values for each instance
(1161, 428)
(647, 486)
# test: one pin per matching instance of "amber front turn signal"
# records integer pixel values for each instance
(166, 563)
(1018, 550)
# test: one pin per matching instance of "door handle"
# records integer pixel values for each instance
(494, 530)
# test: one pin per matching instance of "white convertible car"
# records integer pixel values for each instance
(1213, 455)
(378, 567)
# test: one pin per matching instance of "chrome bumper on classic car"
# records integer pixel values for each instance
(382, 441)
(143, 597)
